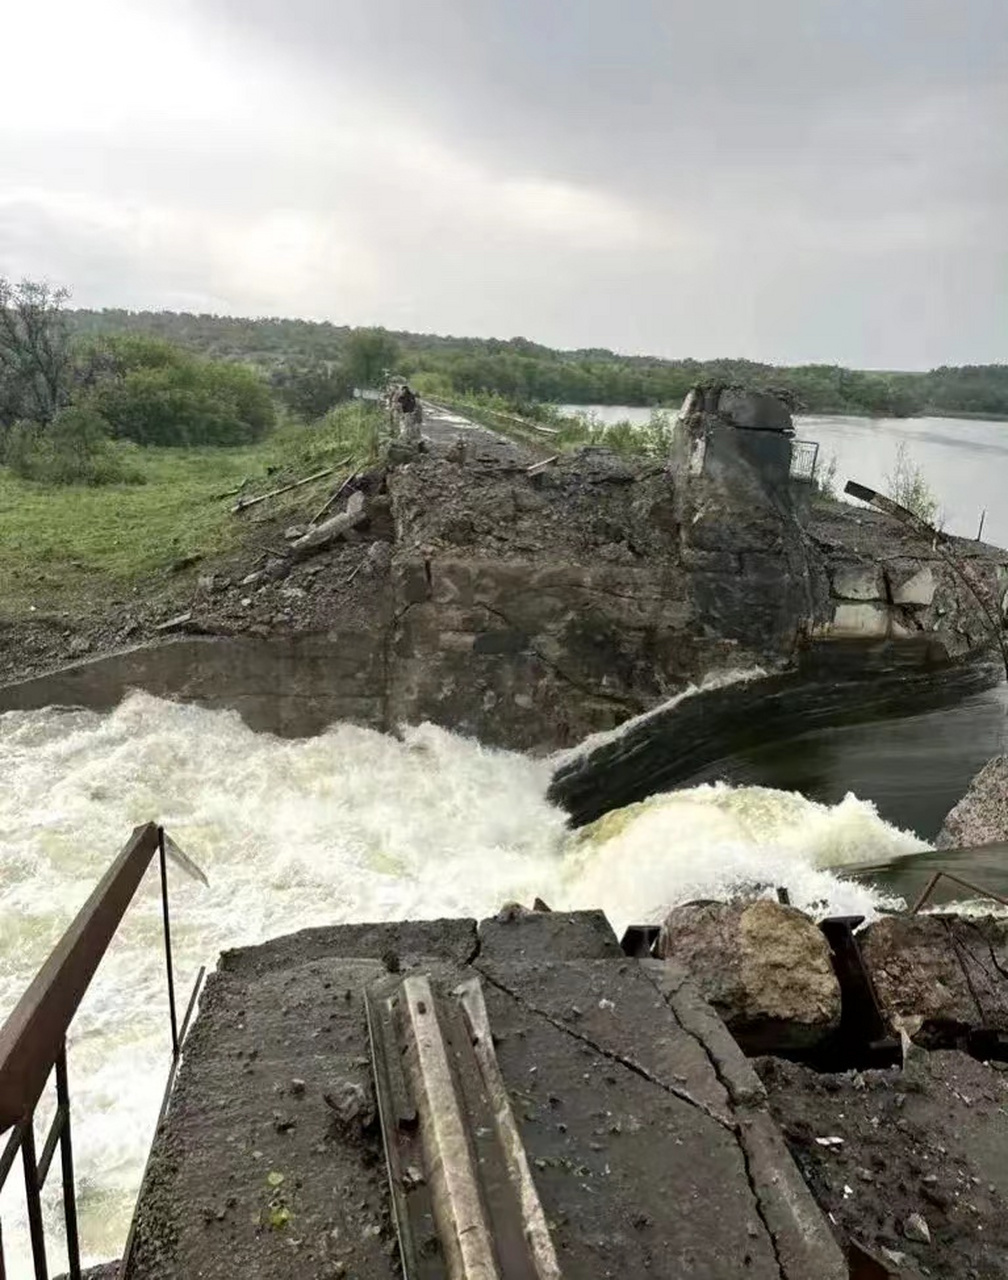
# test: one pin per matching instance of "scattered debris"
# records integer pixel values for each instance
(186, 562)
(175, 624)
(915, 1228)
(351, 1105)
(329, 502)
(536, 467)
(242, 503)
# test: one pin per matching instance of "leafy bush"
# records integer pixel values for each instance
(652, 438)
(826, 478)
(158, 395)
(311, 390)
(906, 485)
(72, 449)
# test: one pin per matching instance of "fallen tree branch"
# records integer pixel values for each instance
(230, 493)
(334, 495)
(536, 467)
(251, 502)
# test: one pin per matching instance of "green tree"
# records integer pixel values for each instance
(74, 448)
(906, 485)
(369, 355)
(34, 352)
(311, 390)
(156, 394)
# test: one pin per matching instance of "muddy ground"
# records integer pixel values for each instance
(885, 1151)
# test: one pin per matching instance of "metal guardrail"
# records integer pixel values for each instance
(804, 459)
(33, 1039)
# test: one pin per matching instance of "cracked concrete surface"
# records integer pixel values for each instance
(646, 1131)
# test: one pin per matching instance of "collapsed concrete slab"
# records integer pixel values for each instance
(645, 1130)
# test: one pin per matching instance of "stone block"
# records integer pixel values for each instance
(754, 410)
(864, 621)
(516, 933)
(764, 967)
(981, 816)
(917, 590)
(858, 582)
(940, 977)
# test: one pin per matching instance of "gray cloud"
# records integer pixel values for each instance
(797, 180)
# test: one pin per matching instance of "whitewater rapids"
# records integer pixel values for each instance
(348, 826)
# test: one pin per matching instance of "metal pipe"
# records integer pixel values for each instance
(66, 1161)
(167, 943)
(10, 1152)
(49, 1146)
(36, 1229)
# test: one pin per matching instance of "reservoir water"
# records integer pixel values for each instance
(965, 461)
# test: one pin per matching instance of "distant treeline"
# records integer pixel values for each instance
(524, 371)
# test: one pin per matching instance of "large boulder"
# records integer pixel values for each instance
(940, 978)
(765, 968)
(981, 816)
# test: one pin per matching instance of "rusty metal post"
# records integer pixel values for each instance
(33, 1196)
(167, 943)
(928, 890)
(66, 1161)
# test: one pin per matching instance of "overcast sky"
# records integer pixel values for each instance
(789, 180)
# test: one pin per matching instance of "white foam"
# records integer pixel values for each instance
(347, 826)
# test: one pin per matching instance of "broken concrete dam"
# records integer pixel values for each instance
(532, 604)
(413, 702)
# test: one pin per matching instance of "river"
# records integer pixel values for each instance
(347, 826)
(965, 461)
(352, 825)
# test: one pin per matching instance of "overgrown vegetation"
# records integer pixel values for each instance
(78, 547)
(524, 371)
(907, 485)
(826, 478)
(66, 404)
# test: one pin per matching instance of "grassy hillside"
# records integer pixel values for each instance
(75, 548)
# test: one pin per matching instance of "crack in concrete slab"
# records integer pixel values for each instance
(682, 1094)
(734, 1129)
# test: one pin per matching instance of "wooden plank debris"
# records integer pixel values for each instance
(334, 495)
(536, 467)
(242, 503)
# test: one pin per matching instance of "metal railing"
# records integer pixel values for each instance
(940, 875)
(804, 459)
(33, 1039)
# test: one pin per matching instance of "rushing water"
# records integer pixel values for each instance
(350, 825)
(965, 461)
